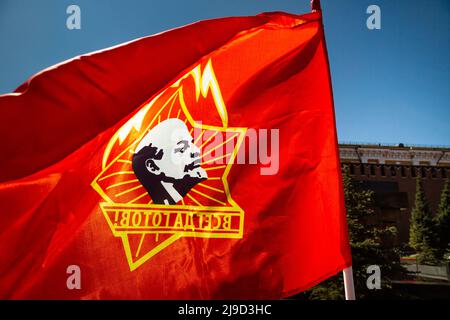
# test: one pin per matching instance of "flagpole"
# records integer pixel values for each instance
(349, 286)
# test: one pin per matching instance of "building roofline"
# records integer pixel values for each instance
(393, 146)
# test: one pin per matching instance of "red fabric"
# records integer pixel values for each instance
(273, 73)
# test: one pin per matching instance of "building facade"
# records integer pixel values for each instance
(391, 171)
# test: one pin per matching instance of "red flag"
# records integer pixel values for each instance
(200, 163)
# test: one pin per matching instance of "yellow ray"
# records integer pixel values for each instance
(140, 244)
(115, 174)
(128, 190)
(170, 109)
(209, 197)
(209, 187)
(190, 131)
(214, 178)
(192, 198)
(151, 200)
(199, 137)
(216, 158)
(215, 168)
(178, 114)
(125, 161)
(137, 198)
(209, 139)
(219, 145)
(121, 183)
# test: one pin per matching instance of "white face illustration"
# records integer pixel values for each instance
(178, 156)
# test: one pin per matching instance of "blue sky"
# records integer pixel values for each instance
(390, 85)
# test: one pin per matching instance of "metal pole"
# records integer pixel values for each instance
(349, 286)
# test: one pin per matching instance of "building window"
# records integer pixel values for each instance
(372, 169)
(352, 169)
(363, 169)
(444, 173)
(383, 171)
(403, 171)
(413, 172)
(423, 173)
(433, 173)
(393, 171)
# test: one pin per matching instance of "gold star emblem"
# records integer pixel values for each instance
(207, 210)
